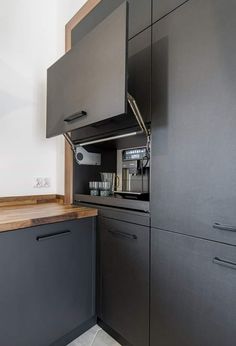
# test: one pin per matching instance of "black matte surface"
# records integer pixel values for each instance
(139, 72)
(193, 120)
(47, 288)
(114, 202)
(124, 279)
(193, 300)
(139, 17)
(163, 7)
(91, 77)
(139, 86)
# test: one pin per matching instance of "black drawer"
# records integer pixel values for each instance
(124, 279)
(47, 285)
(193, 291)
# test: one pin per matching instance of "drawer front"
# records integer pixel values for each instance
(124, 279)
(48, 282)
(193, 291)
(139, 218)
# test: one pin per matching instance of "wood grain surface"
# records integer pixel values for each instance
(36, 199)
(16, 217)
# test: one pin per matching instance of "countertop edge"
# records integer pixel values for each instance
(59, 216)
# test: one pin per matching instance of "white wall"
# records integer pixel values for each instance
(32, 38)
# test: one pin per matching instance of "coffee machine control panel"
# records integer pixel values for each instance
(134, 154)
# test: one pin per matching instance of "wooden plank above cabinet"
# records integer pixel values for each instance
(76, 19)
(30, 200)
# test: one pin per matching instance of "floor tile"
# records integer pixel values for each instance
(94, 337)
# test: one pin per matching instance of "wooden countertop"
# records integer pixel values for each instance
(14, 217)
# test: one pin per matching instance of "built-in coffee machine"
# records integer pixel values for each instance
(133, 169)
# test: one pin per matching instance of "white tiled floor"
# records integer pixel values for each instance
(94, 337)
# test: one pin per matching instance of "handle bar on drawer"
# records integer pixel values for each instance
(123, 235)
(224, 263)
(75, 116)
(53, 235)
(224, 227)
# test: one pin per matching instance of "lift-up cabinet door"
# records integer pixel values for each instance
(88, 84)
(140, 12)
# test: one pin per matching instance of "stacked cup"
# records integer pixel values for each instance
(94, 188)
(105, 188)
(102, 188)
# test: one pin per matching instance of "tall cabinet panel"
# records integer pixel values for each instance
(193, 291)
(193, 120)
(163, 7)
(139, 71)
(140, 16)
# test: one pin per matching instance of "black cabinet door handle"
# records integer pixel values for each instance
(224, 227)
(75, 116)
(224, 263)
(123, 234)
(53, 235)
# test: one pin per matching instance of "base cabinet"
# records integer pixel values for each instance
(47, 282)
(124, 279)
(193, 291)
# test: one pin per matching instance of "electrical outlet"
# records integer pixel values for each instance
(40, 183)
(46, 182)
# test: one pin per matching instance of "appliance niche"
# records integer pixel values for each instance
(127, 161)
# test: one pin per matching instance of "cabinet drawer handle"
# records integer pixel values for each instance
(75, 116)
(224, 227)
(53, 235)
(123, 235)
(224, 263)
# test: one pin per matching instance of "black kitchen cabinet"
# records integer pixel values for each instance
(47, 291)
(124, 279)
(89, 83)
(193, 291)
(193, 185)
(139, 17)
(163, 7)
(139, 72)
(139, 86)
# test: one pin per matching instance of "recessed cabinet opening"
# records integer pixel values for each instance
(123, 172)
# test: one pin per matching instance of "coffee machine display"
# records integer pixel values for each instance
(135, 171)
